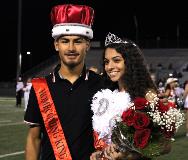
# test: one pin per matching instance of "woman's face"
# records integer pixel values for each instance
(114, 64)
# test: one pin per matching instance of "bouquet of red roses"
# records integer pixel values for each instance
(145, 125)
(141, 125)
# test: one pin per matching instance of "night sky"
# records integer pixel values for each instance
(153, 19)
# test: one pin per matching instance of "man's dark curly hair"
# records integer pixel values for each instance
(137, 77)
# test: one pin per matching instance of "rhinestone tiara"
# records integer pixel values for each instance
(112, 38)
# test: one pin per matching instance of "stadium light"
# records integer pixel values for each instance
(29, 58)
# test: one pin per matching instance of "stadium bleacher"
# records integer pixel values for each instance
(177, 59)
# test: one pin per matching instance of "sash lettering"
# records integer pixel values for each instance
(51, 120)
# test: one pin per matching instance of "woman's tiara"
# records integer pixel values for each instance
(112, 38)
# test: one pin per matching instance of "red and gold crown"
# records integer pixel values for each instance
(70, 19)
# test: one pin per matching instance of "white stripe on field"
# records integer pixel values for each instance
(7, 99)
(11, 154)
(5, 121)
(14, 111)
(12, 124)
(2, 100)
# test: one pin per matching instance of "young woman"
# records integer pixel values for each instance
(124, 65)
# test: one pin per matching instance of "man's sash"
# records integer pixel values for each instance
(51, 120)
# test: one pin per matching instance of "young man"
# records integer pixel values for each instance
(58, 110)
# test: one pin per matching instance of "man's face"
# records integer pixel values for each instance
(72, 50)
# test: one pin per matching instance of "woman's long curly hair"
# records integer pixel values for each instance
(137, 77)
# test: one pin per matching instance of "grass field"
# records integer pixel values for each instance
(12, 130)
(13, 135)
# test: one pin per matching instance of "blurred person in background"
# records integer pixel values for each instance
(19, 92)
(94, 69)
(161, 88)
(26, 91)
(153, 77)
(170, 93)
(179, 92)
(185, 95)
(171, 84)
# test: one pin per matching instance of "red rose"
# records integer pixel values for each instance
(141, 138)
(127, 117)
(172, 104)
(141, 120)
(140, 103)
(163, 107)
